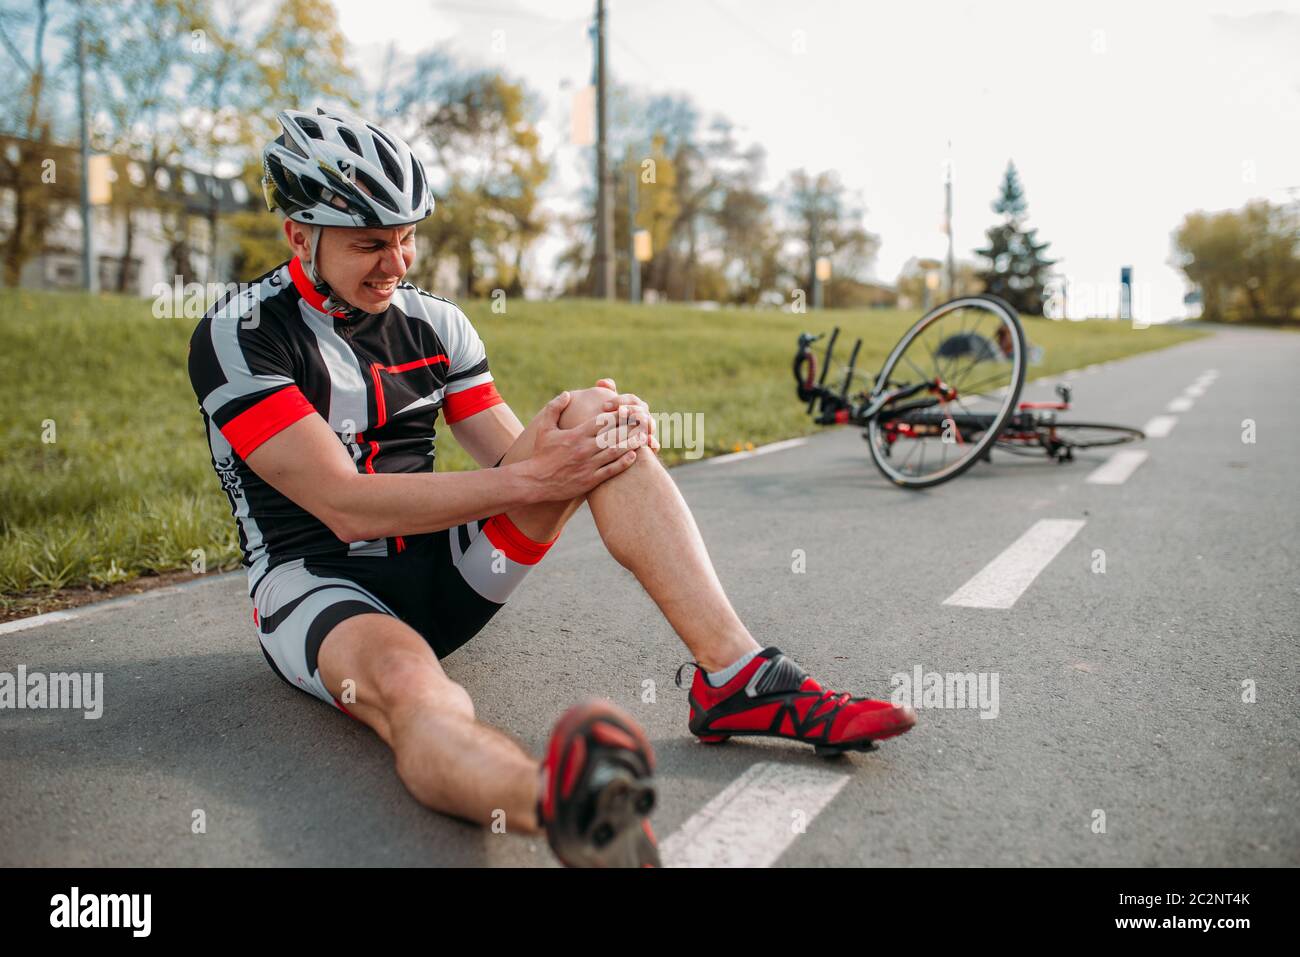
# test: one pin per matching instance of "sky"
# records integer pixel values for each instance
(1121, 117)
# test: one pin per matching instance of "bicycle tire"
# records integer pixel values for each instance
(1115, 434)
(1007, 314)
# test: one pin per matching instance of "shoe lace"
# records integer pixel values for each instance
(841, 698)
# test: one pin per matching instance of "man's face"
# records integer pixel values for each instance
(363, 266)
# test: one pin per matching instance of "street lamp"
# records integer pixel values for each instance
(822, 270)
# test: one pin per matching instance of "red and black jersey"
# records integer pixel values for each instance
(268, 356)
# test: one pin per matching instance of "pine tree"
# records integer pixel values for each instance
(1018, 271)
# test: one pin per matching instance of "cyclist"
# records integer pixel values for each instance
(320, 386)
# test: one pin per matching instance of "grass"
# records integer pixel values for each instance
(126, 487)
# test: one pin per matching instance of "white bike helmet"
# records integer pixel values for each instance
(335, 169)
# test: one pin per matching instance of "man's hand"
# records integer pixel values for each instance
(636, 410)
(568, 463)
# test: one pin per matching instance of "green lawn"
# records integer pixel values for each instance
(126, 487)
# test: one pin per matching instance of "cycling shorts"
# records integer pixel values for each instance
(446, 585)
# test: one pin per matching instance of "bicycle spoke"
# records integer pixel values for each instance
(965, 370)
(977, 391)
(908, 458)
(923, 376)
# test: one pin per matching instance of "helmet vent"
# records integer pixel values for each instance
(377, 192)
(417, 186)
(392, 169)
(289, 143)
(350, 138)
(382, 135)
(310, 127)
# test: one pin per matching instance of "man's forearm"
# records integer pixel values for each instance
(387, 504)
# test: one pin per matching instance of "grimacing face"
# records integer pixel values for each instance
(362, 266)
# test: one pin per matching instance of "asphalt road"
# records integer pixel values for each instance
(1119, 692)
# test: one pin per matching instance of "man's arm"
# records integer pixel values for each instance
(487, 435)
(309, 466)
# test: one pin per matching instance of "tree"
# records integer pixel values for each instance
(826, 224)
(296, 61)
(657, 210)
(1017, 271)
(1246, 262)
(135, 51)
(27, 168)
(487, 170)
(912, 291)
(750, 243)
(703, 195)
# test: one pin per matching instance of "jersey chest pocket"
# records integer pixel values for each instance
(407, 386)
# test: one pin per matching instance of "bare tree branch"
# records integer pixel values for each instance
(13, 51)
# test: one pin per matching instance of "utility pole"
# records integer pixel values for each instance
(604, 258)
(633, 264)
(947, 205)
(90, 281)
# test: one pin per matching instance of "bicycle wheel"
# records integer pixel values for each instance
(946, 391)
(1089, 435)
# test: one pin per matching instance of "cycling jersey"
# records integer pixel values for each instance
(263, 359)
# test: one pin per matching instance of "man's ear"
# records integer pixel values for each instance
(298, 237)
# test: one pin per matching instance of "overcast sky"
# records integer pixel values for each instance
(1121, 117)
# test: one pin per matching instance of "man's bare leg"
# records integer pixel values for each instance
(648, 528)
(448, 760)
(455, 764)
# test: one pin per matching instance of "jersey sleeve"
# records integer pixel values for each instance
(470, 388)
(243, 377)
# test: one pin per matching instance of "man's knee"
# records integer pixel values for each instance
(584, 405)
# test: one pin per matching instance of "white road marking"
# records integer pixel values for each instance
(1160, 426)
(1195, 390)
(49, 618)
(761, 450)
(754, 820)
(1180, 404)
(1117, 469)
(1001, 582)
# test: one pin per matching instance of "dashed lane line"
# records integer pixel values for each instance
(1001, 582)
(1160, 426)
(1117, 469)
(755, 819)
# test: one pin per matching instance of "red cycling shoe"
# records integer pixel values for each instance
(773, 696)
(596, 789)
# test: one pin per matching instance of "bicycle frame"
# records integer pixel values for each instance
(1032, 426)
(838, 408)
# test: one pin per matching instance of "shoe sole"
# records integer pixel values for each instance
(618, 833)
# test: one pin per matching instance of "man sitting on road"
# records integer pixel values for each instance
(320, 386)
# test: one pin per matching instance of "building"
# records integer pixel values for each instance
(160, 221)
